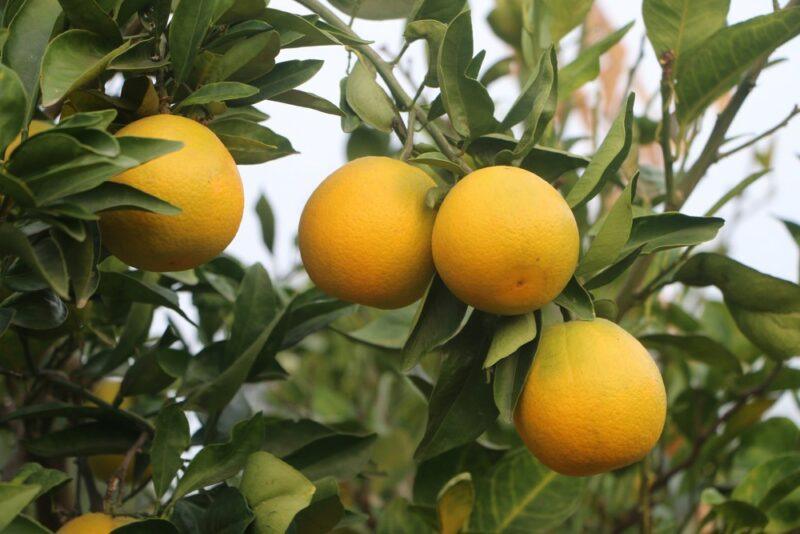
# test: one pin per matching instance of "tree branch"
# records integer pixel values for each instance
(795, 111)
(116, 482)
(385, 71)
(666, 61)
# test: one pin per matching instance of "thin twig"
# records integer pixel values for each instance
(792, 114)
(408, 147)
(95, 499)
(667, 60)
(116, 482)
(385, 71)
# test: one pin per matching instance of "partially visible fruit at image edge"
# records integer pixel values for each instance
(94, 523)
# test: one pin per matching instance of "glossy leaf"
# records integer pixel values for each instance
(45, 260)
(217, 92)
(13, 104)
(88, 15)
(285, 76)
(114, 196)
(250, 143)
(73, 60)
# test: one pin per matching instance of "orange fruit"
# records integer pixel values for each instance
(505, 241)
(594, 399)
(201, 179)
(94, 523)
(365, 233)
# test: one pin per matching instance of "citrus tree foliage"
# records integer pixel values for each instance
(357, 419)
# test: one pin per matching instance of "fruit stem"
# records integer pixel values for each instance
(385, 71)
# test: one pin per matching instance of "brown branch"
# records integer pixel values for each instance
(116, 482)
(667, 60)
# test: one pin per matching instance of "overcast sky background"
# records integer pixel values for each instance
(759, 239)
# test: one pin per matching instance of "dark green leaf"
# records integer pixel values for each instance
(324, 512)
(170, 440)
(439, 318)
(88, 15)
(217, 92)
(13, 104)
(84, 440)
(45, 259)
(250, 143)
(512, 373)
(285, 76)
(80, 258)
(461, 405)
(295, 97)
(147, 526)
(577, 300)
(134, 289)
(267, 220)
(652, 233)
(190, 22)
(221, 461)
(113, 195)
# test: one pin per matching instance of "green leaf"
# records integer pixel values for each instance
(23, 524)
(586, 67)
(368, 99)
(520, 495)
(455, 504)
(511, 333)
(551, 163)
(29, 33)
(662, 231)
(441, 10)
(577, 300)
(398, 517)
(295, 97)
(461, 405)
(613, 234)
(324, 512)
(88, 15)
(607, 160)
(221, 461)
(171, 439)
(154, 371)
(439, 318)
(250, 143)
(770, 482)
(46, 479)
(794, 230)
(40, 310)
(217, 92)
(432, 31)
(738, 514)
(267, 220)
(80, 259)
(375, 9)
(285, 76)
(84, 440)
(678, 26)
(735, 191)
(565, 15)
(275, 491)
(117, 196)
(698, 348)
(128, 286)
(190, 22)
(13, 104)
(6, 315)
(138, 59)
(72, 60)
(468, 104)
(13, 500)
(716, 64)
(766, 309)
(255, 308)
(536, 104)
(45, 260)
(221, 510)
(239, 10)
(512, 373)
(437, 159)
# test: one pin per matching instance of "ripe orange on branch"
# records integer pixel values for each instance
(505, 241)
(365, 233)
(201, 179)
(594, 399)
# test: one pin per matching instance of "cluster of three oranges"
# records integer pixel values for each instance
(505, 242)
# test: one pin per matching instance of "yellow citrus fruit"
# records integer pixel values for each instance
(201, 179)
(103, 466)
(94, 523)
(376, 9)
(36, 127)
(365, 233)
(594, 400)
(505, 241)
